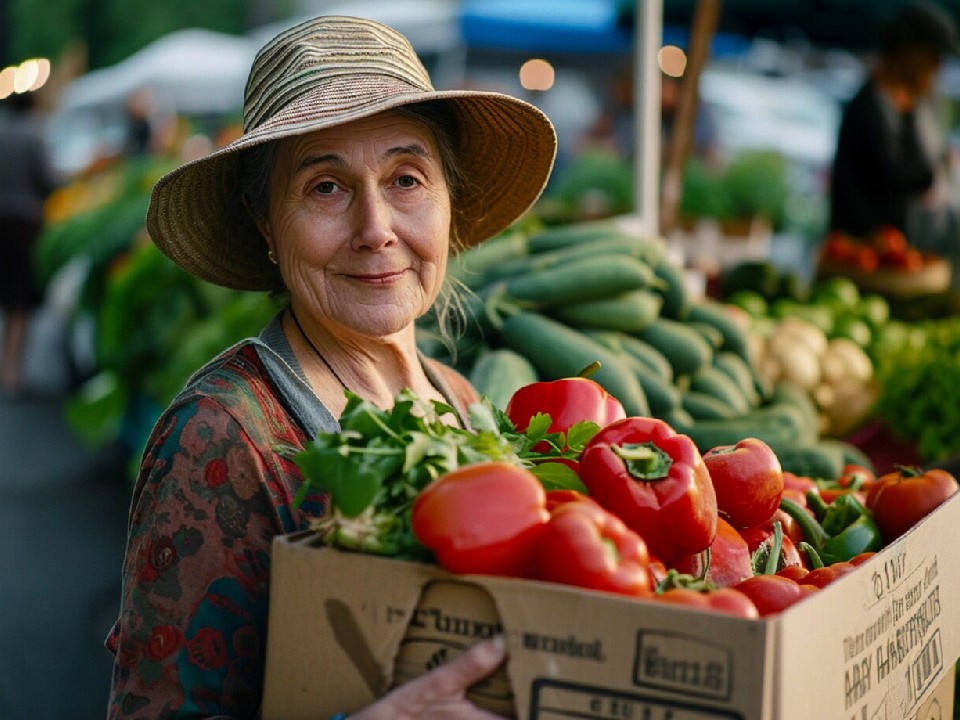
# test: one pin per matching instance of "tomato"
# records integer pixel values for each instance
(727, 562)
(748, 481)
(771, 593)
(823, 576)
(725, 600)
(589, 547)
(567, 401)
(902, 498)
(762, 537)
(484, 518)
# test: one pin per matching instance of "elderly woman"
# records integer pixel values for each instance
(351, 185)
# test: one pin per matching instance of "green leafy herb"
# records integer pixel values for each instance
(376, 464)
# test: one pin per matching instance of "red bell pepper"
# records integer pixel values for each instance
(587, 546)
(567, 401)
(902, 498)
(655, 480)
(484, 518)
(748, 480)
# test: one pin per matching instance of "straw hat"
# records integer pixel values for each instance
(322, 73)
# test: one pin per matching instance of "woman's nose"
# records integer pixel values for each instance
(374, 220)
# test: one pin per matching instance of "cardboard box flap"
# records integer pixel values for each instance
(349, 657)
(607, 642)
(878, 642)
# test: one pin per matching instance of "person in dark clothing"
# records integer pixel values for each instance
(887, 155)
(27, 179)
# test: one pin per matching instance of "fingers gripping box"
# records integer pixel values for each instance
(879, 643)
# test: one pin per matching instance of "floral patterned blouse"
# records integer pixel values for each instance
(212, 493)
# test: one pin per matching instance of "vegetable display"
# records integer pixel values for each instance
(552, 301)
(622, 505)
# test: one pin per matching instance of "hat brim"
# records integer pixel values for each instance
(505, 146)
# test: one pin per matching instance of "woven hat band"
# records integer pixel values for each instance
(337, 99)
(306, 56)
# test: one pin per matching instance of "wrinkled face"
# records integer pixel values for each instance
(359, 221)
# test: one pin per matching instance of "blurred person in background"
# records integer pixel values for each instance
(890, 166)
(351, 185)
(26, 179)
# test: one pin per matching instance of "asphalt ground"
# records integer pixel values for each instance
(63, 509)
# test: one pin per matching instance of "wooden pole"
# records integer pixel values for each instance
(703, 27)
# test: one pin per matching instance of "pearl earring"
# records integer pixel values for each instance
(271, 257)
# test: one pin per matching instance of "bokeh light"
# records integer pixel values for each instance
(536, 74)
(672, 60)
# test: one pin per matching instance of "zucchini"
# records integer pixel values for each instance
(649, 356)
(709, 332)
(820, 461)
(558, 351)
(741, 372)
(702, 405)
(499, 373)
(470, 265)
(561, 236)
(590, 278)
(673, 288)
(630, 312)
(777, 424)
(736, 337)
(685, 349)
(713, 381)
(852, 455)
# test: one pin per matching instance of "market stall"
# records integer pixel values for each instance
(662, 385)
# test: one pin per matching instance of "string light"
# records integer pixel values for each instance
(28, 76)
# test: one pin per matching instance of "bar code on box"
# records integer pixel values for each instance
(926, 667)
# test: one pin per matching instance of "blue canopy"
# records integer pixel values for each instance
(566, 26)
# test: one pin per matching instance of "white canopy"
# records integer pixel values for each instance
(192, 70)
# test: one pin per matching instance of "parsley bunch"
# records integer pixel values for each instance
(374, 466)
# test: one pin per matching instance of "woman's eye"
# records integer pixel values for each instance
(407, 181)
(326, 187)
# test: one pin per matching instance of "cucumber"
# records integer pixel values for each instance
(630, 312)
(788, 394)
(821, 461)
(741, 372)
(470, 266)
(778, 425)
(736, 337)
(709, 332)
(685, 349)
(711, 380)
(852, 455)
(673, 288)
(702, 405)
(649, 356)
(572, 234)
(590, 278)
(499, 373)
(558, 351)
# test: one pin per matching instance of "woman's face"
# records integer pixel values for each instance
(359, 221)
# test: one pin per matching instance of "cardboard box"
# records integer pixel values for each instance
(879, 644)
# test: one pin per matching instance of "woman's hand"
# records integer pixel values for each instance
(441, 692)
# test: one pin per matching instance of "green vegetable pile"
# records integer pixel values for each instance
(379, 461)
(919, 379)
(545, 303)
